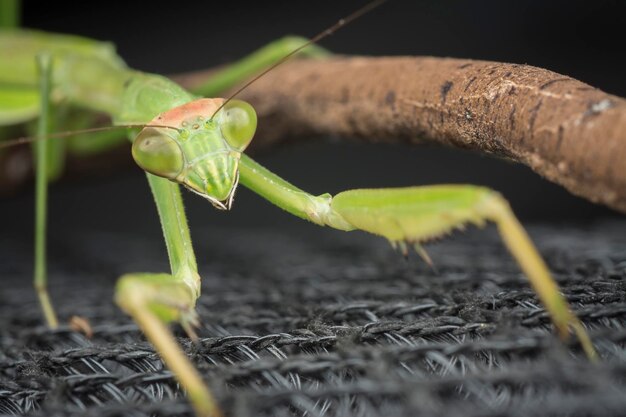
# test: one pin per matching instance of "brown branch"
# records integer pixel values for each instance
(565, 130)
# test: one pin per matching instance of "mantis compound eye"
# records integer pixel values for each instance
(238, 123)
(157, 153)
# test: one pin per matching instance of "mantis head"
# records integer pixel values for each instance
(197, 148)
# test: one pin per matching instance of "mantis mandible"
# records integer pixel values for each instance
(186, 139)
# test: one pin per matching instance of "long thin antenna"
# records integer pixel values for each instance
(61, 135)
(327, 32)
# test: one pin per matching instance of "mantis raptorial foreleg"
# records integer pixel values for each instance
(155, 299)
(410, 216)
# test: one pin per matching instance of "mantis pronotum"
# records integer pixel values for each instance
(199, 143)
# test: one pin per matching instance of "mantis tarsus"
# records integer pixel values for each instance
(193, 141)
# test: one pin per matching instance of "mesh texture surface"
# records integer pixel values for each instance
(325, 324)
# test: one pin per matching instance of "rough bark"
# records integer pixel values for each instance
(565, 130)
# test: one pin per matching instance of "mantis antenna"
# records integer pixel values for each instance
(61, 135)
(323, 34)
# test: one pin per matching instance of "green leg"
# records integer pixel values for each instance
(54, 149)
(44, 65)
(153, 299)
(410, 216)
(254, 63)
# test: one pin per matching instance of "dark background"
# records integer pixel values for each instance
(581, 39)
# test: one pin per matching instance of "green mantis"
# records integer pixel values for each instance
(199, 143)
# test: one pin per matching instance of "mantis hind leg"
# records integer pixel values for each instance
(416, 214)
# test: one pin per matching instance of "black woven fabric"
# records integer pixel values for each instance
(326, 324)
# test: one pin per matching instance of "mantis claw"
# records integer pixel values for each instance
(81, 325)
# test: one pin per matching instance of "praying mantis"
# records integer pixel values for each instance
(198, 141)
